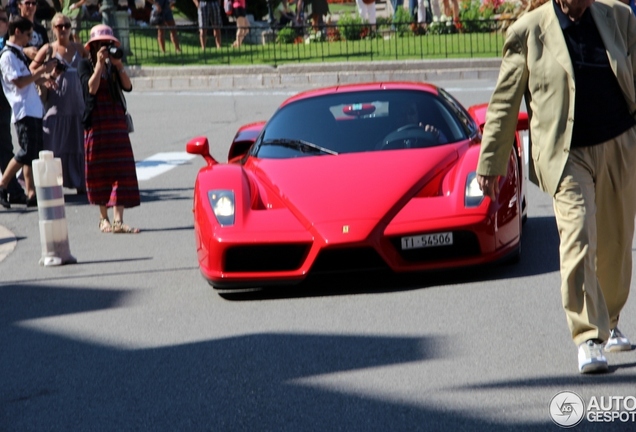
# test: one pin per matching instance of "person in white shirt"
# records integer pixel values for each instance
(19, 87)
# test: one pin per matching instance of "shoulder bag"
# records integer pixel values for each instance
(122, 99)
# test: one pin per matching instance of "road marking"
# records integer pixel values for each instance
(160, 163)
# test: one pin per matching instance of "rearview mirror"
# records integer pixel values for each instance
(522, 121)
(201, 146)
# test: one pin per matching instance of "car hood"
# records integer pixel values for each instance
(358, 186)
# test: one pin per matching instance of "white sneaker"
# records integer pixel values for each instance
(617, 341)
(591, 357)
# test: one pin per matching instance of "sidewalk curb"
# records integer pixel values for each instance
(308, 75)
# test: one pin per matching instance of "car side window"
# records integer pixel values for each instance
(468, 124)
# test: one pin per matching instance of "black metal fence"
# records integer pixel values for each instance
(483, 38)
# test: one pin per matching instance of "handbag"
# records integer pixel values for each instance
(156, 18)
(228, 5)
(122, 99)
(129, 123)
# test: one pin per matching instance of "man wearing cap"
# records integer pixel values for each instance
(18, 84)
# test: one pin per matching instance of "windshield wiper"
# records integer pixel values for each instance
(302, 145)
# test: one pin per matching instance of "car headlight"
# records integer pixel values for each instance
(222, 203)
(473, 195)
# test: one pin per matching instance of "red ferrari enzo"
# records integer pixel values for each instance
(355, 177)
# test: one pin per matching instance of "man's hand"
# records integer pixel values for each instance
(489, 185)
(49, 83)
(431, 129)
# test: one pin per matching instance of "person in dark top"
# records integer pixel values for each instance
(111, 177)
(40, 37)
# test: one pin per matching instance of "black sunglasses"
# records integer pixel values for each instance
(63, 26)
(29, 3)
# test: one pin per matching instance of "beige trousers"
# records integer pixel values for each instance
(595, 206)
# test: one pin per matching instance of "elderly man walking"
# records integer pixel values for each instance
(574, 62)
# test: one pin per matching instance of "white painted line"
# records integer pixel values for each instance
(7, 242)
(160, 163)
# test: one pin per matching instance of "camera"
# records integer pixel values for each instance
(60, 66)
(115, 52)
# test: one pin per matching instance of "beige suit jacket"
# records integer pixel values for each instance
(536, 65)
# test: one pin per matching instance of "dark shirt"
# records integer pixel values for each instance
(600, 110)
(85, 71)
(40, 36)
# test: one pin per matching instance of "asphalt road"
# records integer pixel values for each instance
(132, 338)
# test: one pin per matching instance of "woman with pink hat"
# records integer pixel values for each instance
(111, 179)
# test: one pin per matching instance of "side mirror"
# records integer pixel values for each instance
(243, 140)
(522, 121)
(201, 146)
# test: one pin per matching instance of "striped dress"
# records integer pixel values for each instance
(111, 178)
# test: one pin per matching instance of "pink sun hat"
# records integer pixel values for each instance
(101, 32)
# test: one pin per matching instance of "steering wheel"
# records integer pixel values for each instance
(408, 136)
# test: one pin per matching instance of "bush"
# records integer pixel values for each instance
(442, 25)
(476, 17)
(286, 35)
(316, 36)
(402, 21)
(351, 27)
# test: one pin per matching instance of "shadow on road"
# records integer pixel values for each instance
(257, 382)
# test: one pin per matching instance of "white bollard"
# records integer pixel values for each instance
(47, 175)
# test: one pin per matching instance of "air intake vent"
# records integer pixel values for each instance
(262, 258)
(348, 259)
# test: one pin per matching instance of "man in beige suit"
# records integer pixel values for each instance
(574, 62)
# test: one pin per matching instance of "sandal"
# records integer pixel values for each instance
(104, 225)
(121, 228)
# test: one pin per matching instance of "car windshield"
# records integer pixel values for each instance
(352, 122)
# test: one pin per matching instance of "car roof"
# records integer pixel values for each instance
(360, 87)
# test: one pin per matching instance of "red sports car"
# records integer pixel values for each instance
(355, 177)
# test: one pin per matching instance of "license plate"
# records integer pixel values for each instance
(427, 240)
